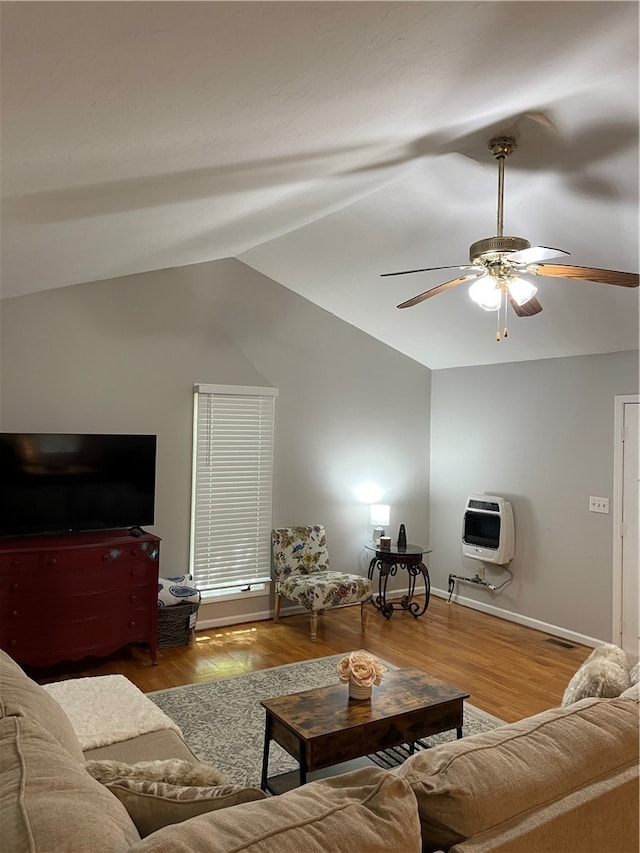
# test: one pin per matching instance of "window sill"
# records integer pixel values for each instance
(259, 590)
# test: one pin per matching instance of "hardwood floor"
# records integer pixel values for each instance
(508, 670)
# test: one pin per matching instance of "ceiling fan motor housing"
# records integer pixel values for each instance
(492, 248)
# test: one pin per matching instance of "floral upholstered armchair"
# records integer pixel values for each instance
(302, 574)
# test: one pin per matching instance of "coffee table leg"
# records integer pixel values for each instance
(265, 753)
(302, 758)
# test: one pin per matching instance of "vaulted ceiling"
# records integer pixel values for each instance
(323, 144)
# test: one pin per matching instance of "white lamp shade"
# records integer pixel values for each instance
(379, 515)
(486, 293)
(521, 290)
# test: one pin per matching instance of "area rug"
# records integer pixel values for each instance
(223, 721)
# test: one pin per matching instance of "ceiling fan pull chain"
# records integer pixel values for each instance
(506, 330)
(498, 325)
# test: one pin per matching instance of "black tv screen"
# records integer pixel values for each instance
(52, 482)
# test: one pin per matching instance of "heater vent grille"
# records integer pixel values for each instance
(562, 643)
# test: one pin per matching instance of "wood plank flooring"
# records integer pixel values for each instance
(508, 670)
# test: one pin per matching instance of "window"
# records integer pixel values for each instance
(232, 489)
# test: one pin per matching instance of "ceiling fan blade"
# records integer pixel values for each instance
(530, 308)
(535, 254)
(429, 269)
(439, 289)
(622, 279)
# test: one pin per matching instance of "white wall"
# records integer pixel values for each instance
(122, 356)
(539, 433)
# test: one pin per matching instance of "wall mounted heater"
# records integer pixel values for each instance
(487, 530)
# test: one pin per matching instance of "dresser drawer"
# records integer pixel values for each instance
(54, 640)
(100, 571)
(134, 552)
(115, 604)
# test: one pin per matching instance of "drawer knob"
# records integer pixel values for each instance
(132, 597)
(53, 561)
(13, 642)
(14, 613)
(132, 573)
(105, 556)
(15, 586)
(132, 624)
(15, 563)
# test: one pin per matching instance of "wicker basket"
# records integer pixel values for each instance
(173, 624)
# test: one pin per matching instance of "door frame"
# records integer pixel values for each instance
(620, 402)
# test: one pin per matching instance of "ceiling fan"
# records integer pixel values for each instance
(500, 267)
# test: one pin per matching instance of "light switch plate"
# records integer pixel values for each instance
(598, 504)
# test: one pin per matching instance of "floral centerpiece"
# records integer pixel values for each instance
(360, 671)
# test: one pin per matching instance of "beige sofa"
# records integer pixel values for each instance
(564, 780)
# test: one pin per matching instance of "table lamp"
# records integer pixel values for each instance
(379, 519)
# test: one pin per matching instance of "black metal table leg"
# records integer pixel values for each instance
(265, 754)
(407, 602)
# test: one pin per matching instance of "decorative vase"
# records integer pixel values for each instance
(402, 537)
(357, 691)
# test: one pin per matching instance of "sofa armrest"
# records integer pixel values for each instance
(470, 786)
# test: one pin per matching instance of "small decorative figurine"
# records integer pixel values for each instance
(402, 537)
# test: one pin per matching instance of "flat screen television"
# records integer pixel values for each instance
(54, 482)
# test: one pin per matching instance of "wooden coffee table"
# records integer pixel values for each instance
(323, 727)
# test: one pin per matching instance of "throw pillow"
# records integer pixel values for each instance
(176, 591)
(605, 673)
(152, 805)
(634, 675)
(174, 771)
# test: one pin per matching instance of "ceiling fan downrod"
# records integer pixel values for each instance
(501, 147)
(493, 248)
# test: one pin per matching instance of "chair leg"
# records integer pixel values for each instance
(314, 625)
(276, 607)
(363, 614)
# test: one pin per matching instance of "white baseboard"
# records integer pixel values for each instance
(536, 624)
(221, 621)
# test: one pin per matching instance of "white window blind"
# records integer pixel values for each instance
(232, 487)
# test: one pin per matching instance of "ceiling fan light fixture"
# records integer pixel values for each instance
(486, 293)
(521, 290)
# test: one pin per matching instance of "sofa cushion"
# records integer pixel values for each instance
(367, 809)
(48, 802)
(152, 805)
(471, 785)
(21, 696)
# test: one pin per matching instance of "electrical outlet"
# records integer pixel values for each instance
(598, 504)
